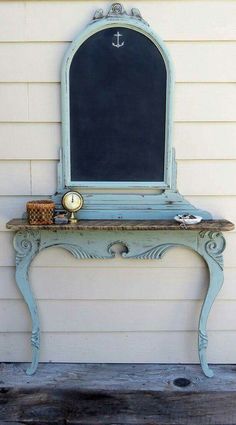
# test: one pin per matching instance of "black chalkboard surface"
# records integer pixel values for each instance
(117, 108)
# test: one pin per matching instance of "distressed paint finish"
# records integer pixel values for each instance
(26, 244)
(140, 241)
(165, 201)
(116, 17)
(213, 225)
(210, 246)
(98, 244)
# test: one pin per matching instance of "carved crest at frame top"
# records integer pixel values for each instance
(117, 11)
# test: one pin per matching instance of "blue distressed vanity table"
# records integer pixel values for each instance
(116, 97)
(141, 239)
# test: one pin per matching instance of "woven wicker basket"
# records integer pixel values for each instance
(40, 212)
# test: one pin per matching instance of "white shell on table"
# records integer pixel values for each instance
(195, 220)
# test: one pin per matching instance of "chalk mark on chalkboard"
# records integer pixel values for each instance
(118, 44)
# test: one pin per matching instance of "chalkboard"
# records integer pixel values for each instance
(117, 99)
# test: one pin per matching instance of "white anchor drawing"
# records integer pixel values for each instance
(118, 44)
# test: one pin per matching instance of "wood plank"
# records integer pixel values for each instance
(113, 225)
(131, 377)
(142, 407)
(118, 394)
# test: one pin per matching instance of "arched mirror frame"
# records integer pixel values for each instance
(115, 17)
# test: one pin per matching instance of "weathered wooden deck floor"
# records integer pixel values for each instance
(115, 394)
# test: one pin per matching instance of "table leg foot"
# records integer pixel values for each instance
(202, 346)
(35, 343)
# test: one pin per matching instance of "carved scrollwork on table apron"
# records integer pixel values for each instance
(25, 243)
(214, 245)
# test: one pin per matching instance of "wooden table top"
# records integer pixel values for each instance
(213, 225)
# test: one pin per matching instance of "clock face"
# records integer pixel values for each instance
(72, 201)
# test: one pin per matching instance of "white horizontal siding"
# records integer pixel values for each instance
(117, 282)
(12, 21)
(19, 182)
(204, 140)
(41, 141)
(119, 347)
(40, 102)
(220, 206)
(44, 102)
(30, 141)
(194, 61)
(62, 20)
(47, 185)
(192, 176)
(12, 206)
(15, 178)
(116, 316)
(205, 102)
(36, 62)
(154, 305)
(14, 102)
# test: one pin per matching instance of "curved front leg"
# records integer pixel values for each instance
(26, 244)
(210, 246)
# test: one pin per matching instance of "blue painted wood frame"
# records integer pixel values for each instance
(123, 200)
(136, 24)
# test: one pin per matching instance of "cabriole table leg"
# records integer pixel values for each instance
(26, 244)
(210, 246)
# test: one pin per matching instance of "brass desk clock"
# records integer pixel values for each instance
(72, 201)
